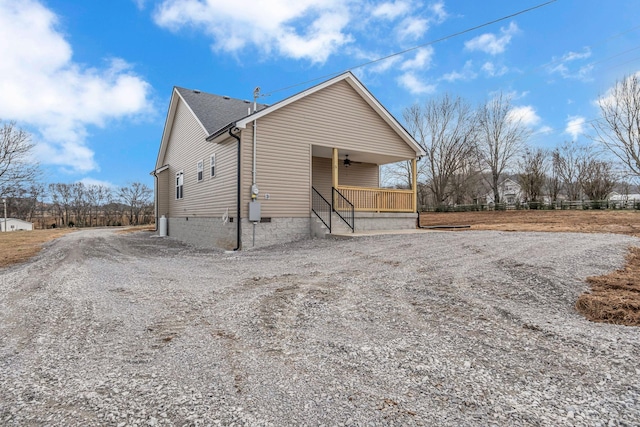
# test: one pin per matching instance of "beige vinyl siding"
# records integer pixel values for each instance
(321, 178)
(283, 170)
(333, 117)
(337, 116)
(187, 146)
(358, 174)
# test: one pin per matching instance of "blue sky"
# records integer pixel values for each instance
(91, 80)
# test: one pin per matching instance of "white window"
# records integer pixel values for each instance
(200, 169)
(212, 164)
(179, 185)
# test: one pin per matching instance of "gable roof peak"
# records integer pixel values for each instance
(215, 111)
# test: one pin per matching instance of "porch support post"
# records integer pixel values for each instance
(334, 168)
(414, 183)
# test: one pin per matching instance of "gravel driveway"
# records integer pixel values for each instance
(439, 328)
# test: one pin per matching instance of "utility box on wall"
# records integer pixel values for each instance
(254, 211)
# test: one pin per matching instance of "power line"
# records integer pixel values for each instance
(459, 33)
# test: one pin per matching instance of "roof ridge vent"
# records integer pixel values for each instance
(196, 91)
(226, 97)
(246, 101)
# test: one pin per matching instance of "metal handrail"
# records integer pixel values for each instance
(343, 208)
(321, 207)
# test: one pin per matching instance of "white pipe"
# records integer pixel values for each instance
(255, 143)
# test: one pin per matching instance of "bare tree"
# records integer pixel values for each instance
(533, 172)
(553, 183)
(16, 165)
(567, 161)
(445, 128)
(502, 136)
(79, 203)
(25, 201)
(619, 126)
(466, 184)
(399, 175)
(136, 196)
(97, 196)
(61, 198)
(597, 178)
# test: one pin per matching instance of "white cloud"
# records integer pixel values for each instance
(414, 85)
(545, 130)
(465, 74)
(413, 28)
(309, 29)
(438, 11)
(421, 61)
(525, 114)
(140, 3)
(491, 43)
(492, 70)
(575, 126)
(563, 66)
(384, 65)
(390, 10)
(43, 88)
(610, 99)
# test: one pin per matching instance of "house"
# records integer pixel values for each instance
(509, 192)
(233, 173)
(629, 199)
(14, 224)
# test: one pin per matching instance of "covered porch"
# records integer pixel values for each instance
(346, 186)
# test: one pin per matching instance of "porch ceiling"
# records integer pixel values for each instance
(357, 156)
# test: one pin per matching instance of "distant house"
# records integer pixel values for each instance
(510, 192)
(229, 175)
(14, 224)
(624, 198)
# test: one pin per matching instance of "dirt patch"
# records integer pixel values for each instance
(18, 246)
(578, 221)
(615, 297)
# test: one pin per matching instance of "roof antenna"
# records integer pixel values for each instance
(256, 95)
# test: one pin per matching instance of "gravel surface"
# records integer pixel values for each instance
(438, 328)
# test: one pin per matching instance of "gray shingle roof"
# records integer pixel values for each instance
(215, 111)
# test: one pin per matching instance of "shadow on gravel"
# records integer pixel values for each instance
(615, 297)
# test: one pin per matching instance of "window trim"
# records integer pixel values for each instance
(200, 170)
(179, 185)
(212, 165)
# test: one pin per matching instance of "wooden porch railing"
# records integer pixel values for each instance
(378, 199)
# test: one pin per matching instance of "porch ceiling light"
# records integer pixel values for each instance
(346, 162)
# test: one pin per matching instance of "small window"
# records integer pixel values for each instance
(179, 185)
(212, 163)
(200, 170)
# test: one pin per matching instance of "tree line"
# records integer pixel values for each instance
(469, 151)
(81, 205)
(63, 204)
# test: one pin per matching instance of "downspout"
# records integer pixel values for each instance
(239, 194)
(155, 197)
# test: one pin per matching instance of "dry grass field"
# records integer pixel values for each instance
(579, 221)
(615, 297)
(19, 246)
